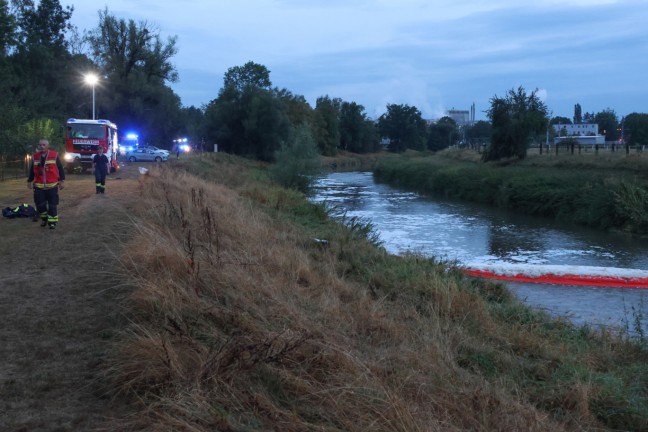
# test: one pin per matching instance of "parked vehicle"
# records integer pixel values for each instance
(83, 137)
(146, 154)
(128, 142)
(157, 149)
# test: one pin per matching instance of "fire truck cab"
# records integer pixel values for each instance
(83, 137)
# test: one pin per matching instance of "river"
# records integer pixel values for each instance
(466, 232)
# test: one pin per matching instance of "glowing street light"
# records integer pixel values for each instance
(92, 79)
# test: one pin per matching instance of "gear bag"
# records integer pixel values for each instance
(23, 210)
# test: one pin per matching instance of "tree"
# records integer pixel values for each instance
(265, 123)
(8, 30)
(297, 162)
(136, 66)
(127, 51)
(578, 118)
(607, 121)
(43, 27)
(39, 62)
(247, 118)
(298, 110)
(14, 142)
(560, 121)
(404, 126)
(478, 133)
(635, 129)
(193, 126)
(443, 134)
(249, 75)
(326, 125)
(352, 127)
(516, 119)
(370, 141)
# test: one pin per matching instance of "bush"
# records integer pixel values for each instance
(297, 163)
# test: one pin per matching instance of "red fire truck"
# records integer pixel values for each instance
(82, 137)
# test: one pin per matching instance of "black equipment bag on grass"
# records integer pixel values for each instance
(23, 210)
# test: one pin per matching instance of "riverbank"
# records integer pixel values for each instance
(253, 310)
(239, 305)
(607, 192)
(345, 161)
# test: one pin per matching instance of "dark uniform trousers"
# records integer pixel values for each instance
(46, 201)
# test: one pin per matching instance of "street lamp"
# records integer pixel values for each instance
(92, 80)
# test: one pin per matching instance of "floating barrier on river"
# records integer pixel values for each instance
(560, 274)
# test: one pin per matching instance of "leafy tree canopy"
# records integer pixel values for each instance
(635, 129)
(248, 118)
(43, 26)
(8, 29)
(124, 49)
(326, 124)
(607, 121)
(443, 134)
(560, 120)
(516, 119)
(578, 116)
(357, 132)
(136, 66)
(479, 132)
(249, 75)
(404, 126)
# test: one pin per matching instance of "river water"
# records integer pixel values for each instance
(466, 232)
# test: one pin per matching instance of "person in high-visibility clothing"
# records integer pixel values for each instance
(47, 174)
(100, 166)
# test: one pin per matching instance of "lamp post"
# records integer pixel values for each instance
(92, 80)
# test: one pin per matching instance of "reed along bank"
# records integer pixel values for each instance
(607, 191)
(252, 310)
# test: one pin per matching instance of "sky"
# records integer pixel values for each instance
(432, 54)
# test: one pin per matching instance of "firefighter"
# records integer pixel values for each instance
(100, 165)
(47, 174)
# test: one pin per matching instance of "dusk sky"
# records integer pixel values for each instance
(431, 54)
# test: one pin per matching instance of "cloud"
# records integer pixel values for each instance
(431, 54)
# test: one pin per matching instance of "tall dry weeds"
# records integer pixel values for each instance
(241, 322)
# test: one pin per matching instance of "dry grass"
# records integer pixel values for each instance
(243, 323)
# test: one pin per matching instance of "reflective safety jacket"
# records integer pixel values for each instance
(46, 177)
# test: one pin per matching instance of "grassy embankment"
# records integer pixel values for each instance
(242, 322)
(608, 191)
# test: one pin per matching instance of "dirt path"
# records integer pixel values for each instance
(60, 305)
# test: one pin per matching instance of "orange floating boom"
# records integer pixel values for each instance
(619, 281)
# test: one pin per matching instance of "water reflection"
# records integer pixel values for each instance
(466, 232)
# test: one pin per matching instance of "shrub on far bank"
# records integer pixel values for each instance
(607, 199)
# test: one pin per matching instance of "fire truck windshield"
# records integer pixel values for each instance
(91, 131)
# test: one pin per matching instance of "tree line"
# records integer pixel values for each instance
(43, 61)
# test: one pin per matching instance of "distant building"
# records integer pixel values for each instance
(579, 129)
(583, 133)
(462, 117)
